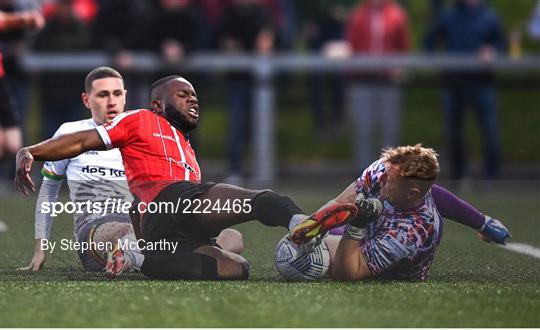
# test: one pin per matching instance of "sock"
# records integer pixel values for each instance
(180, 266)
(273, 209)
(137, 259)
(131, 250)
(296, 219)
(130, 241)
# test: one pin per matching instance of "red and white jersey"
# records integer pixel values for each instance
(154, 152)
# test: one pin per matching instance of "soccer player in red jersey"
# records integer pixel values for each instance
(161, 169)
(95, 176)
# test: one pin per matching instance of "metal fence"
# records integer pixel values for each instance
(263, 68)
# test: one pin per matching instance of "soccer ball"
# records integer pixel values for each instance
(294, 264)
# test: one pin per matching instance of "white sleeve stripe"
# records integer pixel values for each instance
(164, 148)
(182, 156)
(105, 137)
(121, 116)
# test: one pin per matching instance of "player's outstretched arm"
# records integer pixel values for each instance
(452, 207)
(62, 147)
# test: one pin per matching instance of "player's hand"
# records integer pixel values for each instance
(369, 209)
(36, 263)
(494, 230)
(23, 181)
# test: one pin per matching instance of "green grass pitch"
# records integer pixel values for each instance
(472, 284)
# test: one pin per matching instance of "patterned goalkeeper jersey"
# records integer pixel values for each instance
(400, 244)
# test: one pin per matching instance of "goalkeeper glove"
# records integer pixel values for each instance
(493, 230)
(369, 210)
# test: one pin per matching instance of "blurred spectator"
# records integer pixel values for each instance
(86, 10)
(283, 14)
(10, 131)
(534, 23)
(177, 29)
(122, 26)
(436, 8)
(470, 27)
(377, 27)
(213, 11)
(321, 34)
(60, 91)
(245, 28)
(14, 43)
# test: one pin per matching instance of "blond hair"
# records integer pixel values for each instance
(415, 162)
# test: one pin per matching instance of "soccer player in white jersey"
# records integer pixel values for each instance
(95, 176)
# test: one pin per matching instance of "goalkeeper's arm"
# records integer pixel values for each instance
(452, 207)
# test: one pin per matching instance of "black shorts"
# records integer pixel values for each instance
(8, 115)
(181, 227)
(184, 246)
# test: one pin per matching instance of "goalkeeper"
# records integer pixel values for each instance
(399, 223)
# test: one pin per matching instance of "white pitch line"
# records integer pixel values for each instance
(523, 248)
